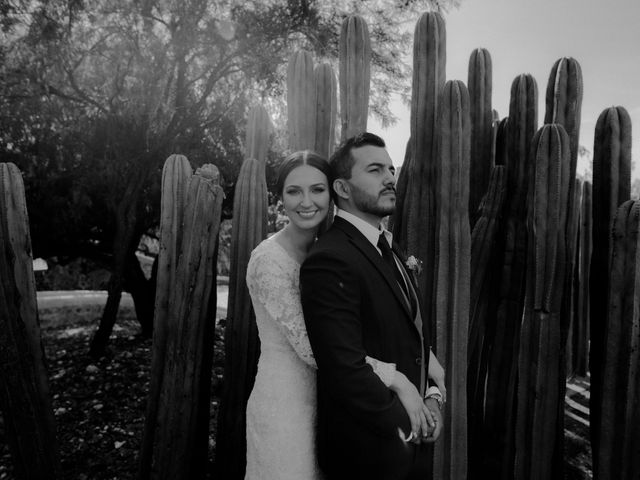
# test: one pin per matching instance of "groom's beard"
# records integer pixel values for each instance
(381, 205)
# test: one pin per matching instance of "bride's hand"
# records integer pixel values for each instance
(436, 373)
(422, 422)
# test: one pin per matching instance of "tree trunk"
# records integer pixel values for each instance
(142, 291)
(125, 230)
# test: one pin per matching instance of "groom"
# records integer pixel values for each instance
(358, 300)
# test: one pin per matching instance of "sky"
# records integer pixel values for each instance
(528, 36)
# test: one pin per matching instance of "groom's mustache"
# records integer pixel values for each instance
(389, 189)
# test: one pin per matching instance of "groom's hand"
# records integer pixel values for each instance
(436, 415)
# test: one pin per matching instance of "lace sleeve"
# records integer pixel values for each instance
(274, 288)
(385, 371)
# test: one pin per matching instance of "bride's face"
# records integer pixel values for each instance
(305, 196)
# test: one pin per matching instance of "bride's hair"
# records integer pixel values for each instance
(302, 157)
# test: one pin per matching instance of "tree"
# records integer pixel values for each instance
(100, 92)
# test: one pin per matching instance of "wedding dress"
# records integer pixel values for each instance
(281, 410)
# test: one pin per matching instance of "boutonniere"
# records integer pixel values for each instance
(414, 265)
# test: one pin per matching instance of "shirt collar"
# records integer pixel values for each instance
(370, 232)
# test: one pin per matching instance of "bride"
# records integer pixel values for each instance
(281, 410)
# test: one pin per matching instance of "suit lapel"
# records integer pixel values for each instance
(370, 252)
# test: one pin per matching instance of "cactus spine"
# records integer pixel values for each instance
(540, 368)
(355, 75)
(619, 437)
(326, 109)
(453, 275)
(480, 85)
(611, 188)
(25, 398)
(301, 101)
(501, 376)
(414, 225)
(242, 345)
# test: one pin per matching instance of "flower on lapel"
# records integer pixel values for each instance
(414, 265)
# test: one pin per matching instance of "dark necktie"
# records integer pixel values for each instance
(387, 256)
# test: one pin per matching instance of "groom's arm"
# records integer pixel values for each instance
(331, 303)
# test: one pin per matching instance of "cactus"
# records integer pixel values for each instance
(25, 399)
(258, 134)
(452, 273)
(523, 122)
(572, 287)
(563, 106)
(585, 246)
(242, 346)
(414, 224)
(301, 101)
(175, 178)
(181, 440)
(540, 368)
(480, 85)
(485, 250)
(355, 75)
(611, 187)
(501, 375)
(402, 179)
(326, 109)
(617, 455)
(500, 155)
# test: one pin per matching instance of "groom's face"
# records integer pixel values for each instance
(372, 183)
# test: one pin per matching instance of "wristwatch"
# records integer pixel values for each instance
(434, 392)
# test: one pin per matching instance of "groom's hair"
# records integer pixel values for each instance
(342, 161)
(296, 159)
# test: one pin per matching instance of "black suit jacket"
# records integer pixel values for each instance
(353, 307)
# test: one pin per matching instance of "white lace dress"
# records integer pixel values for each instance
(281, 410)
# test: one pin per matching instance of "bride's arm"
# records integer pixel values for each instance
(270, 287)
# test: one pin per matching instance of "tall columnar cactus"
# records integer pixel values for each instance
(523, 123)
(500, 155)
(540, 367)
(611, 187)
(175, 178)
(355, 75)
(326, 109)
(480, 85)
(572, 286)
(453, 251)
(617, 452)
(242, 346)
(258, 134)
(180, 441)
(501, 376)
(301, 101)
(563, 106)
(25, 399)
(414, 224)
(585, 247)
(486, 240)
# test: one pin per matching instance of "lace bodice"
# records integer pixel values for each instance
(274, 285)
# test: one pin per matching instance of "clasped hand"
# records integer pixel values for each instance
(425, 416)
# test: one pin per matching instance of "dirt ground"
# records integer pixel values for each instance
(100, 406)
